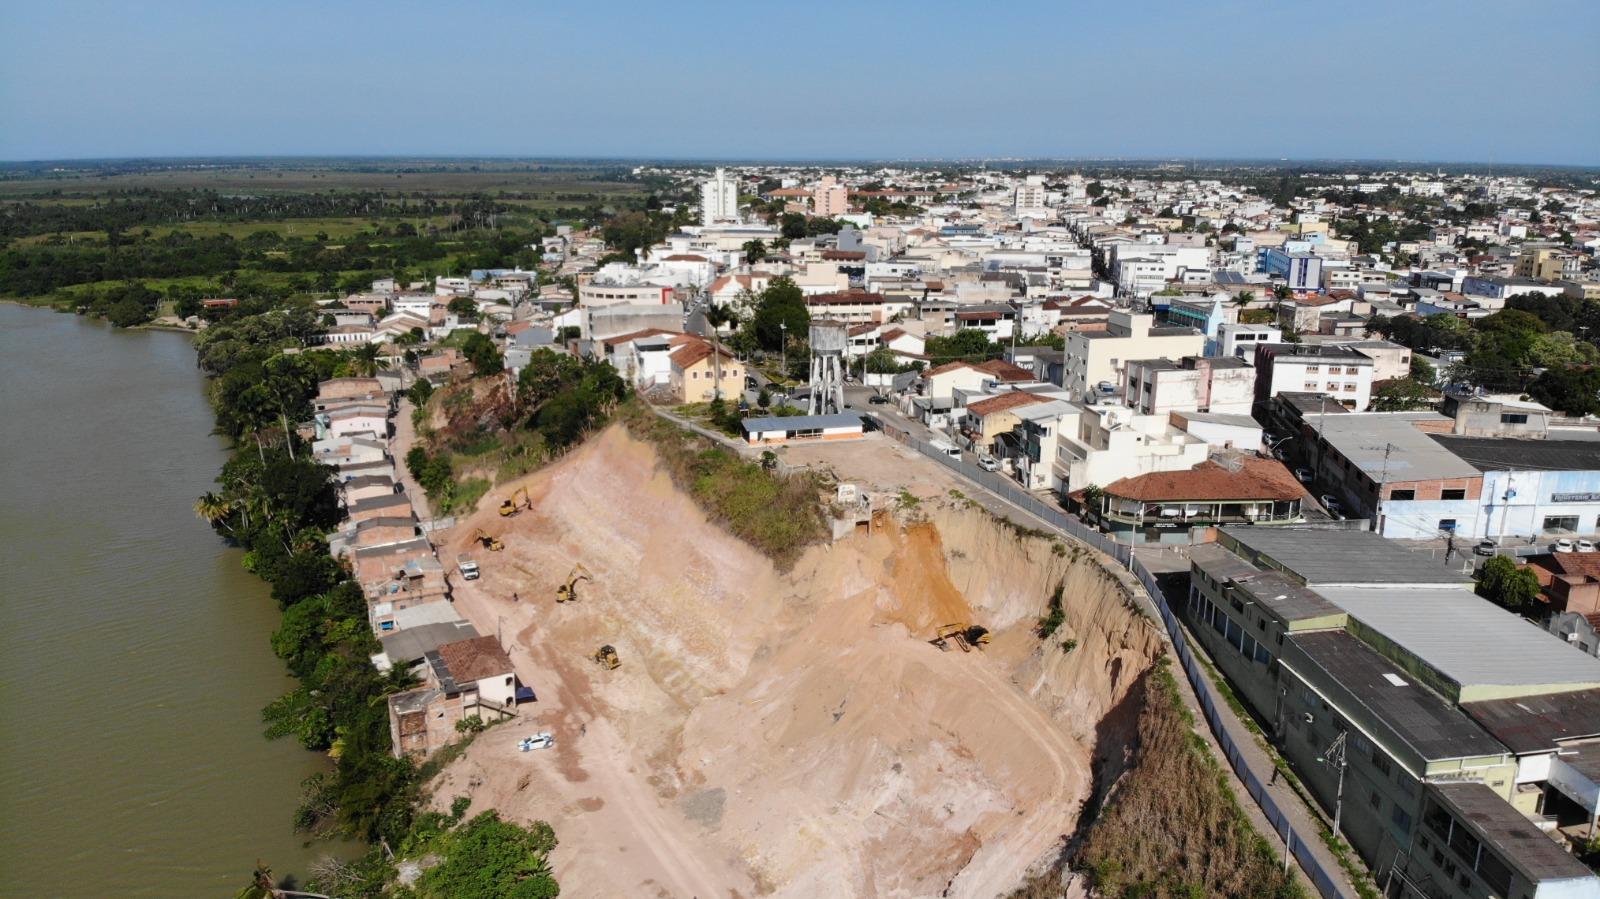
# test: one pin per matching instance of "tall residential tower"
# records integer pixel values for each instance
(719, 199)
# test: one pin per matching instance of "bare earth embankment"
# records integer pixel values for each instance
(791, 733)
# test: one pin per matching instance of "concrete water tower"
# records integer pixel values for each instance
(828, 339)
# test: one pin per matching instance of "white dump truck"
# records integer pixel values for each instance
(467, 567)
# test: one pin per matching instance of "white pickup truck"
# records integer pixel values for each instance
(467, 567)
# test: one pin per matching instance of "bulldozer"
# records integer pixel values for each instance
(489, 541)
(962, 636)
(568, 592)
(606, 657)
(510, 506)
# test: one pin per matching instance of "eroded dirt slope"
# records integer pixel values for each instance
(789, 734)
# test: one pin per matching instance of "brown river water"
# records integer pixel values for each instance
(133, 647)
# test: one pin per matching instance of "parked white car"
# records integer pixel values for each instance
(1564, 545)
(543, 740)
(1586, 546)
(988, 463)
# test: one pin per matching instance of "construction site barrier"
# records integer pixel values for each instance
(1255, 782)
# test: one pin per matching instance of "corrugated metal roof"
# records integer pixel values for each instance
(802, 422)
(1431, 725)
(1515, 839)
(1388, 447)
(1467, 638)
(1343, 557)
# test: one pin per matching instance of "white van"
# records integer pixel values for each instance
(944, 448)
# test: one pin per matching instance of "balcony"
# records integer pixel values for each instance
(1140, 515)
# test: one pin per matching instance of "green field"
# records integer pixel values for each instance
(538, 187)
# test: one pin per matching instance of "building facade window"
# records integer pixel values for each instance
(1402, 494)
(1455, 493)
(1561, 523)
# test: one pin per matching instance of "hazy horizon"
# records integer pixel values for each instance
(701, 161)
(1468, 82)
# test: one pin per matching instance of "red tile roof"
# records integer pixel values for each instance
(1003, 402)
(693, 353)
(635, 335)
(1005, 371)
(1256, 479)
(1574, 565)
(948, 366)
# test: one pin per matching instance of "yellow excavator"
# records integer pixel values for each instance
(510, 506)
(963, 636)
(489, 541)
(606, 657)
(568, 592)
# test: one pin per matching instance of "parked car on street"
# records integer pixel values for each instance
(1563, 545)
(1303, 474)
(877, 399)
(1585, 546)
(1485, 548)
(988, 463)
(1332, 505)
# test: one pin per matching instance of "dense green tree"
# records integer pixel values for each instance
(793, 225)
(1402, 395)
(754, 251)
(1507, 584)
(464, 308)
(968, 344)
(419, 392)
(483, 354)
(488, 858)
(1422, 371)
(1573, 390)
(781, 304)
(563, 397)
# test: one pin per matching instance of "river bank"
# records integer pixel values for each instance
(139, 657)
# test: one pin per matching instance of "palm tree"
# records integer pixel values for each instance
(213, 509)
(365, 360)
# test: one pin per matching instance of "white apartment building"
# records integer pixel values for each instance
(1240, 341)
(1030, 195)
(1142, 269)
(1191, 384)
(1096, 357)
(1097, 445)
(1343, 374)
(719, 199)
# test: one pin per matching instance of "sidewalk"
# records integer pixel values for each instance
(1307, 823)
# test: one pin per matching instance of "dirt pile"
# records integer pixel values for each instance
(791, 734)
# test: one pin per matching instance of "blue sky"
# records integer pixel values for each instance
(1404, 79)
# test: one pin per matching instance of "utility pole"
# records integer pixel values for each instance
(1335, 756)
(716, 366)
(1377, 512)
(783, 350)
